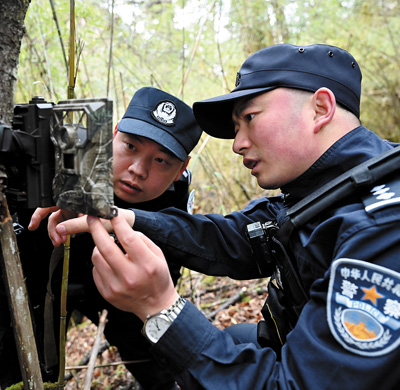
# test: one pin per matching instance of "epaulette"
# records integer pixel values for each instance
(383, 195)
(361, 177)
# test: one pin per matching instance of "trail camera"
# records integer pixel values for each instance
(60, 154)
(81, 131)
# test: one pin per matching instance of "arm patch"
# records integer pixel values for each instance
(363, 307)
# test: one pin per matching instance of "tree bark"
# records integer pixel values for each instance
(11, 32)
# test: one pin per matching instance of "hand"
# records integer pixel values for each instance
(138, 281)
(55, 218)
(65, 222)
(58, 232)
(39, 215)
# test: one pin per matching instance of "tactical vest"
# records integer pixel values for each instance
(272, 246)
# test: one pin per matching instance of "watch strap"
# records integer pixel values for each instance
(175, 309)
(168, 314)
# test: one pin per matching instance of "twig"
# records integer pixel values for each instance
(85, 360)
(109, 364)
(93, 356)
(63, 312)
(236, 298)
(53, 9)
(194, 50)
(111, 47)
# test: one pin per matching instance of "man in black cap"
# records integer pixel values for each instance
(151, 148)
(332, 317)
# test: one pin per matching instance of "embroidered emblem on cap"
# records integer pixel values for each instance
(238, 77)
(383, 196)
(165, 113)
(363, 307)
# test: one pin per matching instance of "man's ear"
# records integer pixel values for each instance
(185, 164)
(324, 103)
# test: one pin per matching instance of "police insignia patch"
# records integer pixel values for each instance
(363, 307)
(165, 113)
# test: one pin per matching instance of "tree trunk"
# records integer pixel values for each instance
(11, 32)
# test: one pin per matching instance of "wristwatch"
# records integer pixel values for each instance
(155, 326)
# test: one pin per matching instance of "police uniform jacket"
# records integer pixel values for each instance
(347, 336)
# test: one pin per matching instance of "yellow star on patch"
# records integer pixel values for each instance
(371, 294)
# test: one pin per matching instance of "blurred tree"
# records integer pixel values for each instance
(11, 31)
(11, 279)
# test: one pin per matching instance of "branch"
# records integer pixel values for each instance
(236, 298)
(93, 357)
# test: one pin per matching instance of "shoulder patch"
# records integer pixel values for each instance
(382, 196)
(190, 202)
(363, 307)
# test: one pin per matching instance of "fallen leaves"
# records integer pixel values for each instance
(224, 301)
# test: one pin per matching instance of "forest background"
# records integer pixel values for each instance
(193, 49)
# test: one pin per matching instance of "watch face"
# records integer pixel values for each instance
(156, 327)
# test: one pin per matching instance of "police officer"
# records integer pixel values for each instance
(151, 148)
(294, 117)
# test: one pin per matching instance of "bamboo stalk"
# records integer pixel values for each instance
(63, 313)
(71, 84)
(64, 284)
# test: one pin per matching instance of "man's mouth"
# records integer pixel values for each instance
(131, 187)
(250, 164)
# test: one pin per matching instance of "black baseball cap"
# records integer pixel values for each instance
(163, 118)
(301, 67)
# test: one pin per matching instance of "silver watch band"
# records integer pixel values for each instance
(151, 328)
(175, 309)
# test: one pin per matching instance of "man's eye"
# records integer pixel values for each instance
(130, 146)
(162, 161)
(249, 117)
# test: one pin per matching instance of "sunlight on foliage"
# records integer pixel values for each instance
(193, 49)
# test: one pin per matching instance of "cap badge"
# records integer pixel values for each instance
(237, 79)
(165, 113)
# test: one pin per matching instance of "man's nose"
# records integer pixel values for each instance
(240, 143)
(138, 168)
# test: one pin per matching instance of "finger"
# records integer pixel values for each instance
(107, 248)
(54, 219)
(72, 226)
(78, 225)
(136, 245)
(101, 265)
(103, 275)
(38, 215)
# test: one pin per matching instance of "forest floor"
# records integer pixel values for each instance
(222, 300)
